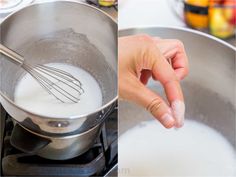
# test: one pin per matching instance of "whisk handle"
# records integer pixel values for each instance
(14, 56)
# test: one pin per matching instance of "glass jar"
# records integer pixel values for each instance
(222, 18)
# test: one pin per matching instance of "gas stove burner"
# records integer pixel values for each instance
(8, 6)
(99, 160)
(88, 164)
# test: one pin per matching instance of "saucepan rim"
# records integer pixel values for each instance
(58, 117)
(180, 29)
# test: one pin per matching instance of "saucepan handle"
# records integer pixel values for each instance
(27, 141)
(101, 118)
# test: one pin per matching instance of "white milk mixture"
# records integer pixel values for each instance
(194, 150)
(31, 96)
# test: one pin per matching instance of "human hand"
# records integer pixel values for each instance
(142, 57)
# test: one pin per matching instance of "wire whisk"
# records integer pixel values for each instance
(62, 85)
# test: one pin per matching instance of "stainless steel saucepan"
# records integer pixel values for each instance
(62, 32)
(210, 88)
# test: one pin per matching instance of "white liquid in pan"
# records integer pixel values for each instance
(194, 150)
(31, 96)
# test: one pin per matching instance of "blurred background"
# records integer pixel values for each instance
(9, 6)
(215, 17)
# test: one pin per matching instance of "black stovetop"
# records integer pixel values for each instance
(97, 161)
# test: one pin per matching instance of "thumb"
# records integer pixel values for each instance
(153, 103)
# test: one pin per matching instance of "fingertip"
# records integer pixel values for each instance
(169, 126)
(167, 121)
(179, 125)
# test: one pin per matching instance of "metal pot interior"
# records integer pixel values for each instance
(58, 32)
(209, 90)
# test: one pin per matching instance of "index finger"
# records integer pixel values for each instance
(174, 49)
(166, 75)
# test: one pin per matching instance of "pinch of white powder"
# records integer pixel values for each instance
(178, 110)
